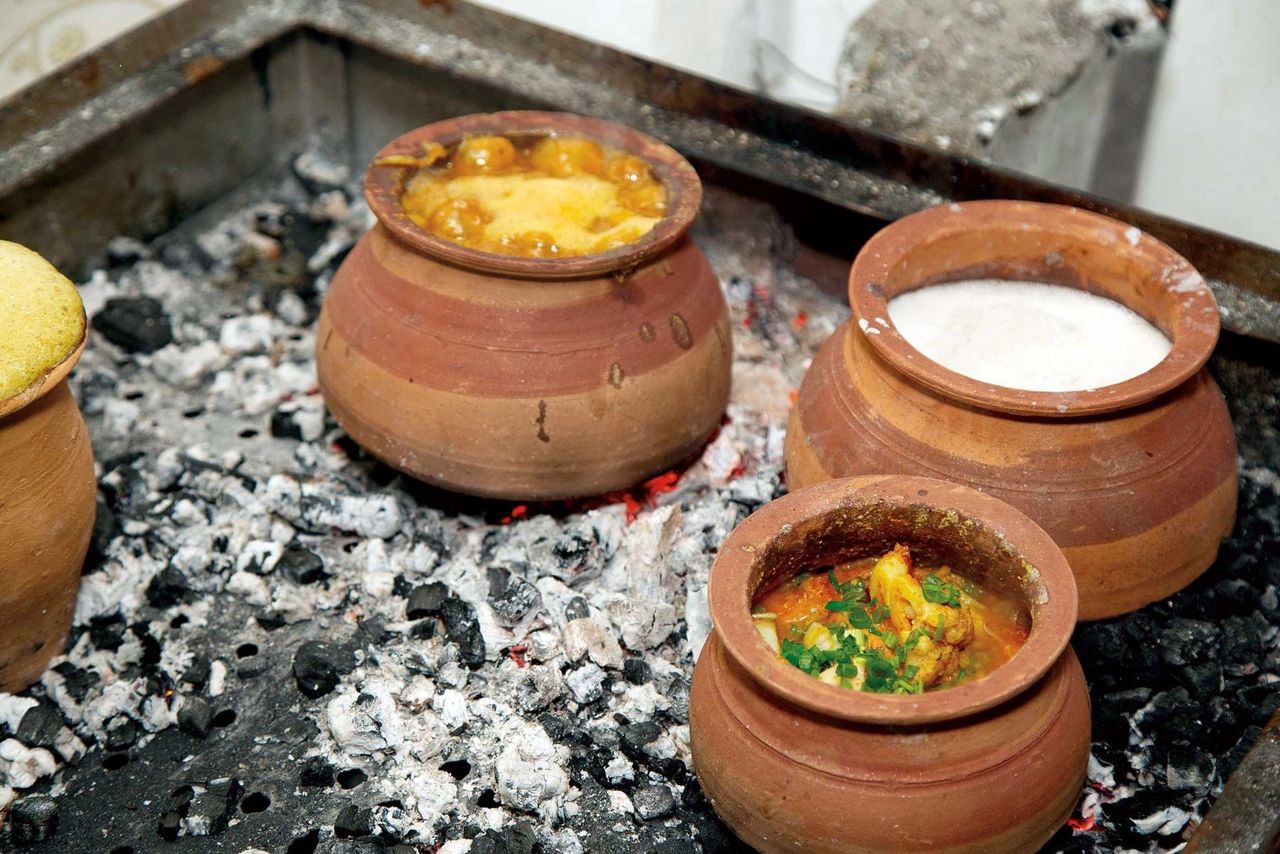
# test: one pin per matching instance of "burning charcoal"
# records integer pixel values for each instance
(516, 839)
(577, 553)
(637, 671)
(40, 726)
(353, 821)
(317, 666)
(301, 565)
(33, 819)
(212, 807)
(168, 588)
(586, 683)
(195, 717)
(1185, 641)
(317, 773)
(652, 802)
(134, 324)
(1189, 768)
(576, 610)
(511, 596)
(463, 629)
(426, 600)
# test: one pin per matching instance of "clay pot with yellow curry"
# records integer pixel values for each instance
(528, 318)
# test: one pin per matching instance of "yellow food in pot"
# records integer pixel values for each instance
(41, 319)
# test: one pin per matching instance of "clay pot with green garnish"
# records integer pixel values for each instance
(525, 377)
(47, 485)
(795, 763)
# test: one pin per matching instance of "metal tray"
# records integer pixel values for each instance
(216, 97)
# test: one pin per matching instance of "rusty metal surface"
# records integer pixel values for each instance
(851, 167)
(1246, 817)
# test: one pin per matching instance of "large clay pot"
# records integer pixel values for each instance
(47, 502)
(1136, 482)
(793, 764)
(526, 378)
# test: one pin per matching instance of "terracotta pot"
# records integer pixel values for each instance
(526, 378)
(1135, 481)
(793, 764)
(47, 503)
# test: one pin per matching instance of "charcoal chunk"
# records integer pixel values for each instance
(637, 671)
(516, 839)
(652, 802)
(167, 588)
(284, 426)
(197, 672)
(463, 628)
(40, 726)
(511, 596)
(636, 736)
(576, 609)
(1185, 641)
(134, 324)
(301, 565)
(353, 821)
(317, 666)
(33, 819)
(195, 717)
(1189, 768)
(1241, 640)
(317, 773)
(212, 808)
(426, 600)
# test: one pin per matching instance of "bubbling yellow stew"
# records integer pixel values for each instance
(886, 626)
(532, 197)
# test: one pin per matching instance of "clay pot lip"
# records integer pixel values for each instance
(1194, 334)
(731, 588)
(45, 383)
(382, 185)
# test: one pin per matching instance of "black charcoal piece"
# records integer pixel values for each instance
(302, 565)
(317, 667)
(134, 324)
(426, 600)
(353, 821)
(40, 726)
(167, 588)
(636, 671)
(33, 819)
(516, 839)
(195, 717)
(652, 802)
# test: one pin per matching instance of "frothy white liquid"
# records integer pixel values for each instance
(1028, 335)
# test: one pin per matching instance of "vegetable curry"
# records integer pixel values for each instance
(533, 196)
(885, 625)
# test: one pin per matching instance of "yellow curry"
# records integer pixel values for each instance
(534, 197)
(887, 626)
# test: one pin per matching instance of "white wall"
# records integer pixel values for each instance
(1212, 155)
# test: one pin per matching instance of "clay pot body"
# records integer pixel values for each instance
(1136, 482)
(527, 378)
(47, 503)
(792, 764)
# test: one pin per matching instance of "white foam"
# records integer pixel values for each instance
(1028, 335)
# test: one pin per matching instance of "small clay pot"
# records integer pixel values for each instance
(47, 503)
(793, 764)
(526, 378)
(1136, 481)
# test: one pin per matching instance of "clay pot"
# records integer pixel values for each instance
(47, 502)
(1136, 482)
(793, 764)
(526, 378)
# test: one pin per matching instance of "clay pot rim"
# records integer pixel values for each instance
(730, 592)
(49, 380)
(382, 185)
(1194, 334)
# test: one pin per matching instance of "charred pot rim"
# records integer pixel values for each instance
(844, 519)
(1030, 241)
(383, 186)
